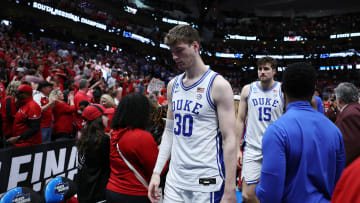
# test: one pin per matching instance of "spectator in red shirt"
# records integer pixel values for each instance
(2, 91)
(62, 73)
(80, 96)
(108, 102)
(18, 75)
(326, 102)
(8, 109)
(63, 115)
(26, 128)
(46, 105)
(162, 100)
(137, 146)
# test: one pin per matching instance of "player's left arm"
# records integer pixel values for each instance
(222, 95)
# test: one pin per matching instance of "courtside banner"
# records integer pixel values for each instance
(34, 166)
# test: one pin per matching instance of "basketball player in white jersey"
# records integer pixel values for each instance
(261, 103)
(200, 129)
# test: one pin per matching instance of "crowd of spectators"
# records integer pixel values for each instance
(64, 79)
(108, 75)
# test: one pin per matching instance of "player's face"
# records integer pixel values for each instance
(265, 72)
(183, 54)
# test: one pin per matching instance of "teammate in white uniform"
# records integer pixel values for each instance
(261, 103)
(200, 123)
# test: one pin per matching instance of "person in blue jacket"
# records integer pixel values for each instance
(317, 104)
(303, 151)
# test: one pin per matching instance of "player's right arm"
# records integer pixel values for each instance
(240, 120)
(164, 150)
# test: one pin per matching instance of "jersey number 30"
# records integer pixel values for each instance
(264, 113)
(184, 125)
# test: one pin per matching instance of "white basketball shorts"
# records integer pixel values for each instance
(251, 166)
(178, 195)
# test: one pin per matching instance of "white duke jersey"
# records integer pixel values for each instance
(264, 107)
(196, 155)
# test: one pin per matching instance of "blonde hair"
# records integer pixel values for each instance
(182, 33)
(54, 93)
(109, 100)
(12, 88)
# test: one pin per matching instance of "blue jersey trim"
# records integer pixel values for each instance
(218, 194)
(251, 182)
(243, 145)
(173, 87)
(247, 99)
(281, 95)
(208, 97)
(257, 85)
(219, 157)
(195, 84)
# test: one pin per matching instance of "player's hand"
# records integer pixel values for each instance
(229, 197)
(153, 192)
(239, 159)
(12, 140)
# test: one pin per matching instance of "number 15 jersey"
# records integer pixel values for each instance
(264, 107)
(197, 146)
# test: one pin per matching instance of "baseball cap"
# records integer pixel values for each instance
(43, 84)
(25, 89)
(20, 69)
(94, 111)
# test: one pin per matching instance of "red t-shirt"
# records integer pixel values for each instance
(45, 73)
(61, 78)
(162, 99)
(46, 116)
(348, 186)
(30, 110)
(12, 76)
(79, 96)
(2, 91)
(140, 149)
(2, 55)
(110, 115)
(326, 106)
(63, 117)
